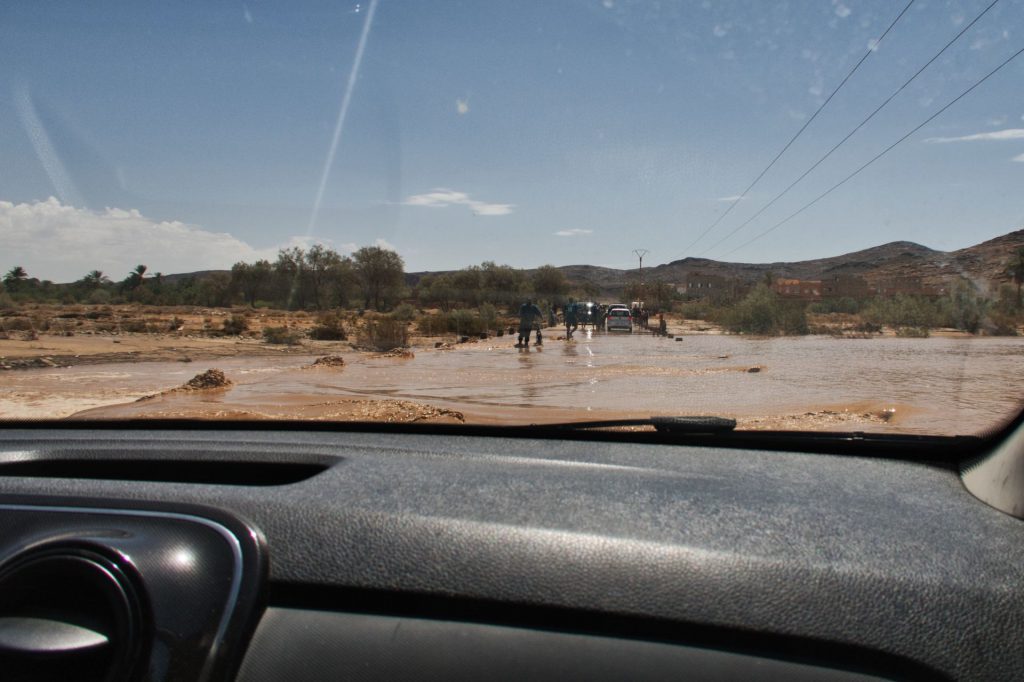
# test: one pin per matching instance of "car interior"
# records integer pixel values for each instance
(163, 551)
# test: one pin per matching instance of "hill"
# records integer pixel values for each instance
(984, 263)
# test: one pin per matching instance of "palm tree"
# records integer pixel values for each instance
(135, 277)
(95, 279)
(15, 277)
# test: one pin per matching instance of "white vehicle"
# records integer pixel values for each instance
(619, 318)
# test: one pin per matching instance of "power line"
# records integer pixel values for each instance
(873, 46)
(877, 156)
(852, 132)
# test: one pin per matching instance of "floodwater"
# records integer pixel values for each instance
(933, 385)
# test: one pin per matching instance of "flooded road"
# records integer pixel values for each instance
(934, 385)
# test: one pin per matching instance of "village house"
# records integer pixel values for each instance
(715, 287)
(802, 289)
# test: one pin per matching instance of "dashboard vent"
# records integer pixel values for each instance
(68, 613)
(166, 470)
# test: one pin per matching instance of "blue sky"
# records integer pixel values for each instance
(190, 135)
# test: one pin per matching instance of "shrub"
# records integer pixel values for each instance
(904, 310)
(404, 313)
(175, 324)
(280, 335)
(328, 328)
(235, 325)
(383, 334)
(762, 312)
(694, 310)
(99, 297)
(433, 325)
(488, 316)
(135, 326)
(835, 305)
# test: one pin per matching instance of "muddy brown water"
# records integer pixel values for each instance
(934, 385)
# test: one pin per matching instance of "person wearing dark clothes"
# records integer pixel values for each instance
(570, 318)
(528, 312)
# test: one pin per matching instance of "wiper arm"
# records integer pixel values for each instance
(694, 424)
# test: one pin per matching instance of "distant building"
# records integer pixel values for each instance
(700, 285)
(801, 289)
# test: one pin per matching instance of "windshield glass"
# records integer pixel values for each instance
(804, 216)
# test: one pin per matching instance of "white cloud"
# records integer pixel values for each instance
(734, 197)
(1019, 158)
(462, 105)
(384, 244)
(442, 198)
(59, 242)
(842, 11)
(576, 232)
(720, 31)
(1008, 134)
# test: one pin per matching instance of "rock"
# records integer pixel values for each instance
(329, 361)
(753, 370)
(483, 335)
(679, 338)
(211, 378)
(403, 353)
(48, 362)
(463, 339)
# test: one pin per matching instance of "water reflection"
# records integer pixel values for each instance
(943, 385)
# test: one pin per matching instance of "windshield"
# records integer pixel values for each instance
(803, 216)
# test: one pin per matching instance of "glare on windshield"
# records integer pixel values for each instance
(801, 217)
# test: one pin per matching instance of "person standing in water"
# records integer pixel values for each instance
(528, 312)
(570, 319)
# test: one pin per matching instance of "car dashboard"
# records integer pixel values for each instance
(263, 554)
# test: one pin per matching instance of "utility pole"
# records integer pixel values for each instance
(640, 253)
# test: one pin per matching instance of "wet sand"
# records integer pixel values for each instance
(936, 385)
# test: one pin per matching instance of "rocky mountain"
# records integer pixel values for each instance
(985, 264)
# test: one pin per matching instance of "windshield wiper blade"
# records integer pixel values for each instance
(678, 424)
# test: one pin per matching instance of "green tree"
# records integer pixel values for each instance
(289, 276)
(437, 290)
(16, 279)
(501, 284)
(320, 263)
(468, 284)
(549, 283)
(94, 280)
(763, 312)
(380, 272)
(966, 307)
(659, 295)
